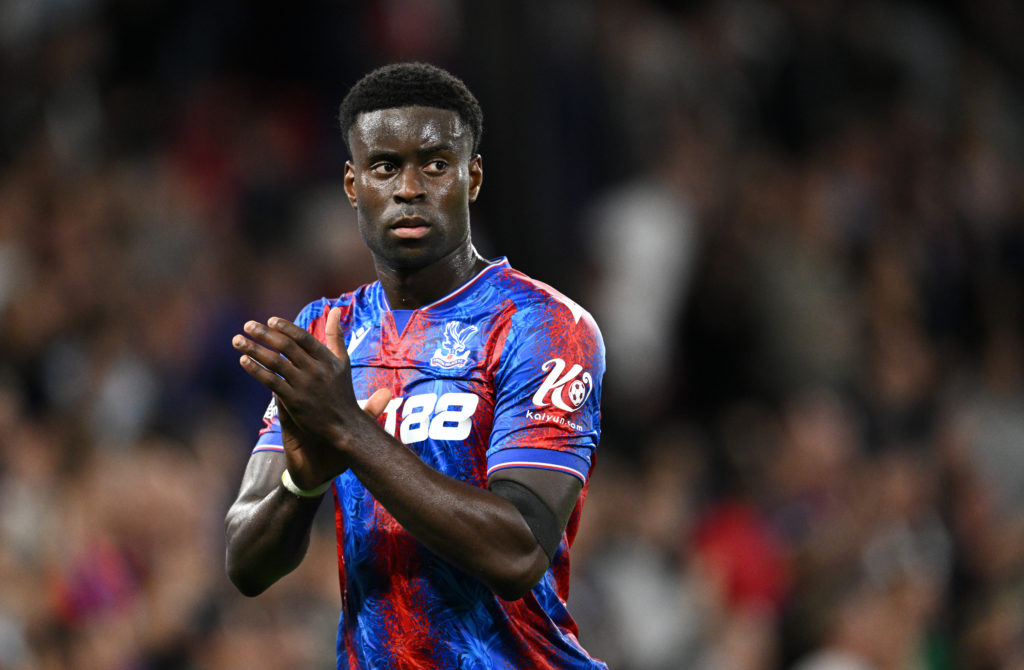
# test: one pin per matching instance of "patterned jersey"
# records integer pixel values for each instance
(503, 372)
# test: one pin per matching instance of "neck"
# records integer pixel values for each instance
(408, 288)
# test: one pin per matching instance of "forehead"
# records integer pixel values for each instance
(408, 126)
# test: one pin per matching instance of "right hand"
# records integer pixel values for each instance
(313, 387)
(306, 453)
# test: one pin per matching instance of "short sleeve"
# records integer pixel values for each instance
(548, 391)
(269, 438)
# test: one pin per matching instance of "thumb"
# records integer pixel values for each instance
(377, 402)
(334, 340)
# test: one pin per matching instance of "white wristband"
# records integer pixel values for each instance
(286, 479)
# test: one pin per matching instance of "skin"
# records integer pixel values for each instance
(411, 180)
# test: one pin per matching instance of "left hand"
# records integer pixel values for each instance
(313, 385)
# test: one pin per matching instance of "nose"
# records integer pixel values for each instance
(409, 187)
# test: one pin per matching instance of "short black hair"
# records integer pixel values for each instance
(411, 85)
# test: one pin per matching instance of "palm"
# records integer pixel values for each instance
(308, 456)
(313, 386)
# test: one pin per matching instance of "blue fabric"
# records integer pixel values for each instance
(401, 318)
(503, 372)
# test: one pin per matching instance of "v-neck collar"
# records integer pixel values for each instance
(453, 297)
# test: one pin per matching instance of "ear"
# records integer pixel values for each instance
(476, 176)
(350, 183)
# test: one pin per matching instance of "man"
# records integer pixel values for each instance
(452, 405)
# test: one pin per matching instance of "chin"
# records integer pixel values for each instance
(410, 257)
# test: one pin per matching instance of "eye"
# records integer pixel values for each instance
(437, 166)
(383, 168)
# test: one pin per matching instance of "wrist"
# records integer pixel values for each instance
(347, 437)
(295, 489)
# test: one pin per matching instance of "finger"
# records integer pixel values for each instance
(335, 340)
(280, 342)
(266, 358)
(268, 378)
(300, 336)
(377, 402)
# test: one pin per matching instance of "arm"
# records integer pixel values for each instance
(267, 528)
(473, 528)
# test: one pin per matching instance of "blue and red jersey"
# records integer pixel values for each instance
(503, 372)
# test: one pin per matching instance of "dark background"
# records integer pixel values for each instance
(800, 226)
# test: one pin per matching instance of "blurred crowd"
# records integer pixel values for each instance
(800, 226)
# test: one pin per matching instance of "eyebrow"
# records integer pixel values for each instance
(382, 154)
(394, 156)
(436, 149)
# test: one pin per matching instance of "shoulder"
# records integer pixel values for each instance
(546, 325)
(541, 306)
(316, 311)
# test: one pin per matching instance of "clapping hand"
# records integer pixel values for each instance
(312, 382)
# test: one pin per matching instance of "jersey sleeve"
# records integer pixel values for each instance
(269, 438)
(548, 391)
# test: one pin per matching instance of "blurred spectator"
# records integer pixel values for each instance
(801, 226)
(642, 241)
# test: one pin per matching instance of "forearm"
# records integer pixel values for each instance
(470, 527)
(267, 529)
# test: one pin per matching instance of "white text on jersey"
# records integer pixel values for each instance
(425, 415)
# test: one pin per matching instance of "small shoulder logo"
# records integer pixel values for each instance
(558, 388)
(271, 412)
(453, 352)
(269, 416)
(357, 339)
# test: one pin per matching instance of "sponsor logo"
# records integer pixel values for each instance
(555, 418)
(269, 416)
(453, 352)
(564, 391)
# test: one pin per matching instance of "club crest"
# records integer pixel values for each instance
(453, 352)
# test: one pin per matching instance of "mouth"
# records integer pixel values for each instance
(410, 227)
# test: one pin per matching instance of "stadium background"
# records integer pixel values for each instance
(800, 225)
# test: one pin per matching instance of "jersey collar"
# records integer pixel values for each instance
(454, 296)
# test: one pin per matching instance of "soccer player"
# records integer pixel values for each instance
(452, 406)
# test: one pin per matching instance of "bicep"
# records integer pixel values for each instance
(558, 490)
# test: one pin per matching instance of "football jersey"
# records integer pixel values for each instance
(504, 372)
